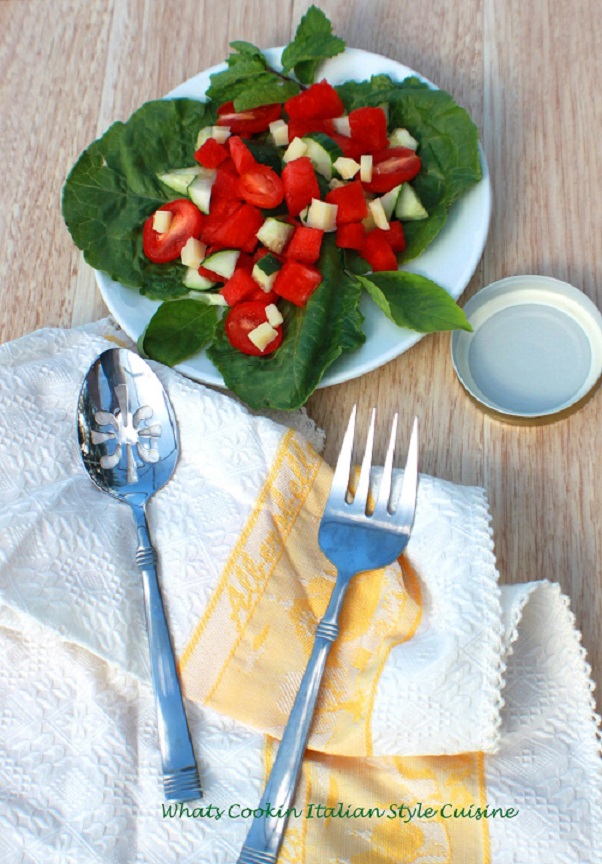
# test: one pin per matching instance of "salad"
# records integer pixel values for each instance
(260, 215)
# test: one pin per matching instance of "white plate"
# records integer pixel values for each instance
(535, 352)
(450, 260)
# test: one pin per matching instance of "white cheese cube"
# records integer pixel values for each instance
(322, 215)
(220, 133)
(262, 335)
(279, 133)
(295, 150)
(347, 168)
(162, 221)
(193, 253)
(341, 125)
(274, 315)
(366, 168)
(378, 214)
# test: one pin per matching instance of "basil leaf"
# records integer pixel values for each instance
(312, 44)
(330, 324)
(414, 302)
(248, 81)
(178, 329)
(113, 188)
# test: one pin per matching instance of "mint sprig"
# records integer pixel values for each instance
(248, 81)
(313, 43)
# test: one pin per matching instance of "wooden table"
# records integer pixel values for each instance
(530, 75)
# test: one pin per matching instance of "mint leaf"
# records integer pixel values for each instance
(330, 324)
(248, 81)
(414, 302)
(312, 44)
(113, 188)
(178, 329)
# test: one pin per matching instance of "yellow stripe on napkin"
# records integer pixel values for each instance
(348, 810)
(247, 655)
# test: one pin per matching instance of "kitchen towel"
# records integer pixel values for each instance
(459, 713)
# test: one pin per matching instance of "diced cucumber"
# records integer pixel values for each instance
(409, 207)
(196, 282)
(211, 298)
(274, 234)
(402, 138)
(265, 271)
(179, 179)
(199, 190)
(389, 201)
(323, 152)
(223, 262)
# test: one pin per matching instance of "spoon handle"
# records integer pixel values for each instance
(180, 775)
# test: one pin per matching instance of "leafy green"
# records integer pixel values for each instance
(113, 188)
(329, 325)
(448, 148)
(414, 301)
(313, 43)
(249, 81)
(178, 329)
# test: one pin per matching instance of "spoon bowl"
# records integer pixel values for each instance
(128, 440)
(127, 429)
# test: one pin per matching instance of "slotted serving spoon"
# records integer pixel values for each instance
(128, 441)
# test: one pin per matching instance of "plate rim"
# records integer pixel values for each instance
(345, 368)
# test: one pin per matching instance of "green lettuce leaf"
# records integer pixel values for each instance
(313, 43)
(448, 146)
(414, 302)
(329, 325)
(113, 188)
(178, 329)
(249, 81)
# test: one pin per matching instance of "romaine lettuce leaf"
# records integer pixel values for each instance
(448, 146)
(329, 325)
(113, 188)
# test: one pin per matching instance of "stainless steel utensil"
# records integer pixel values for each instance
(129, 445)
(354, 539)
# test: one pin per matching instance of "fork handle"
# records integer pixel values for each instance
(266, 832)
(180, 774)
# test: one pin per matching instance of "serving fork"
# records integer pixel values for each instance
(356, 534)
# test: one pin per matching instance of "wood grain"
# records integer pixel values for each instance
(528, 73)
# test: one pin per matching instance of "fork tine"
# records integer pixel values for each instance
(340, 480)
(363, 485)
(384, 492)
(407, 499)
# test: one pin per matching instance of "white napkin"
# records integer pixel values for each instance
(489, 669)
